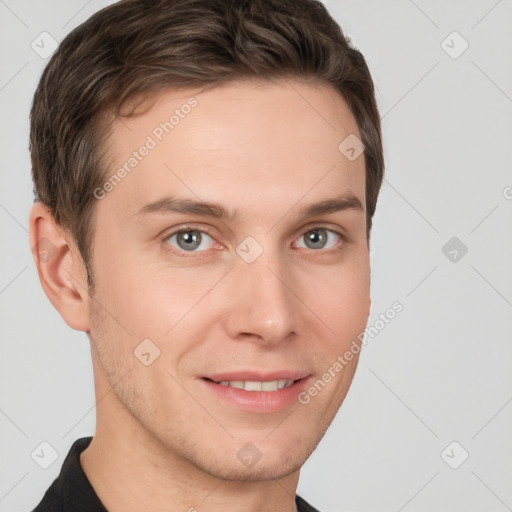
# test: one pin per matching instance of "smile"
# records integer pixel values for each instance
(253, 385)
(258, 396)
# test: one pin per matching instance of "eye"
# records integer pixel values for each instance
(317, 238)
(188, 240)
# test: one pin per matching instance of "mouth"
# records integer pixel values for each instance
(255, 385)
(268, 394)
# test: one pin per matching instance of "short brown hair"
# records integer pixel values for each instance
(136, 47)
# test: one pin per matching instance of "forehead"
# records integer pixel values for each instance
(243, 142)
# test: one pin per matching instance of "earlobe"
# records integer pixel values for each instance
(60, 267)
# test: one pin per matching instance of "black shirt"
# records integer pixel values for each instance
(71, 491)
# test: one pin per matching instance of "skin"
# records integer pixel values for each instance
(260, 148)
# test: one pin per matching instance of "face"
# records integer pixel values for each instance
(185, 297)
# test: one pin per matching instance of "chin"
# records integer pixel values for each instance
(259, 472)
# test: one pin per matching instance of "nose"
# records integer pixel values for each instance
(263, 304)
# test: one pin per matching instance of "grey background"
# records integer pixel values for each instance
(437, 373)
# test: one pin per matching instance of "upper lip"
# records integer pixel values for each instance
(250, 375)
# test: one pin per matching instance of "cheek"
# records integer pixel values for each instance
(340, 298)
(161, 302)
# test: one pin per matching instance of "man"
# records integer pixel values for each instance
(206, 173)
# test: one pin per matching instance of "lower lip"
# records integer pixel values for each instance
(258, 401)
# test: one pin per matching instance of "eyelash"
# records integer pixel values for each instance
(184, 229)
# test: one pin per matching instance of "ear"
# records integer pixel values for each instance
(60, 267)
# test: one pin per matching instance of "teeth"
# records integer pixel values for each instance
(250, 385)
(269, 386)
(253, 386)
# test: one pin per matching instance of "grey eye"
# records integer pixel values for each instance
(316, 238)
(189, 239)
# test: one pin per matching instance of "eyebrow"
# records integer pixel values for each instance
(173, 204)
